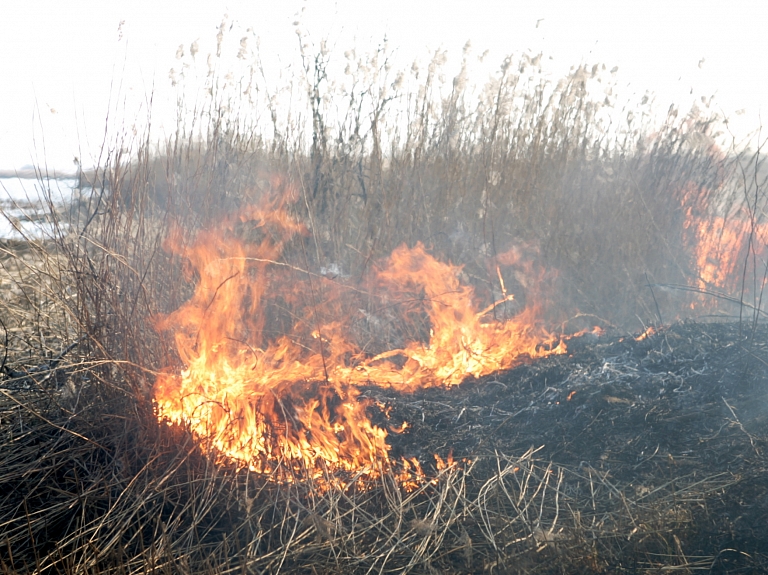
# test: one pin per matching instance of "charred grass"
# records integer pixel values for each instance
(622, 456)
(656, 463)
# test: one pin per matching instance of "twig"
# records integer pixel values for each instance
(738, 423)
(709, 293)
(45, 367)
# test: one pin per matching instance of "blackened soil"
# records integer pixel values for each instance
(685, 407)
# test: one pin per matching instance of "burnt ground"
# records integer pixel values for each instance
(618, 401)
(622, 456)
(678, 419)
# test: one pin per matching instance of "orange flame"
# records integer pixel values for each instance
(648, 332)
(725, 250)
(288, 405)
(728, 251)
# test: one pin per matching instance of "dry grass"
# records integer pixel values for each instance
(34, 299)
(93, 485)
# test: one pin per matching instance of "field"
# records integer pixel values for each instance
(407, 325)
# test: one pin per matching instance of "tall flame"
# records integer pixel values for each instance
(728, 247)
(722, 246)
(288, 404)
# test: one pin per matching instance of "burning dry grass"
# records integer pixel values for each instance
(623, 454)
(269, 398)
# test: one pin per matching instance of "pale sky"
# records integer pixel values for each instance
(65, 64)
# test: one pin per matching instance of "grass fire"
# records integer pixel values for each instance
(291, 399)
(390, 320)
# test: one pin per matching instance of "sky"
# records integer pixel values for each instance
(69, 68)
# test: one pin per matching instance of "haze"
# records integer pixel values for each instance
(67, 66)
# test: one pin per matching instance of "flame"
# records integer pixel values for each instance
(725, 250)
(648, 332)
(288, 405)
(721, 248)
(443, 464)
(718, 247)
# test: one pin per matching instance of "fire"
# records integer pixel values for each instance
(461, 343)
(721, 248)
(729, 255)
(443, 464)
(288, 405)
(648, 332)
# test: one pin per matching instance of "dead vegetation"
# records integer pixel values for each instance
(624, 456)
(656, 462)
